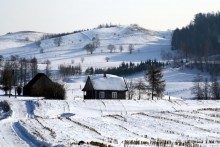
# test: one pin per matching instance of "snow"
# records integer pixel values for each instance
(112, 122)
(108, 82)
(35, 122)
(19, 39)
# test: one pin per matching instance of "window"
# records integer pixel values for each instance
(114, 95)
(101, 94)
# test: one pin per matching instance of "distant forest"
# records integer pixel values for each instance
(200, 39)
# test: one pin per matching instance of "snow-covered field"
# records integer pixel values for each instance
(116, 123)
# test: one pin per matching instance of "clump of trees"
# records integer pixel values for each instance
(111, 48)
(52, 90)
(106, 25)
(57, 41)
(126, 68)
(16, 71)
(203, 89)
(68, 70)
(200, 38)
(55, 91)
(91, 47)
(130, 48)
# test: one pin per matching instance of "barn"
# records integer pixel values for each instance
(38, 86)
(105, 86)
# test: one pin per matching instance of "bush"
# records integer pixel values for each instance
(94, 143)
(19, 89)
(5, 106)
(55, 91)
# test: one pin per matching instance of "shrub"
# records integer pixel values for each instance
(19, 89)
(55, 91)
(5, 106)
(94, 143)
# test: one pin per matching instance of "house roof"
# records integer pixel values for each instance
(108, 82)
(37, 77)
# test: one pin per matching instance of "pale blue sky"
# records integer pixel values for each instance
(56, 16)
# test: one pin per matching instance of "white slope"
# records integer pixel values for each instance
(19, 39)
(148, 45)
(112, 122)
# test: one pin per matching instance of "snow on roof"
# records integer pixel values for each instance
(108, 82)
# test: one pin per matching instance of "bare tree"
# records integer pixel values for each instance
(130, 48)
(96, 41)
(140, 86)
(90, 48)
(121, 48)
(131, 88)
(24, 70)
(57, 41)
(215, 88)
(27, 39)
(111, 47)
(206, 89)
(48, 68)
(72, 61)
(1, 60)
(82, 59)
(33, 67)
(197, 88)
(14, 57)
(41, 50)
(7, 77)
(107, 59)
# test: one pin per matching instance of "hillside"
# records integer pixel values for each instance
(18, 39)
(147, 45)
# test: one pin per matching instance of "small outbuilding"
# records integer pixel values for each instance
(38, 86)
(105, 86)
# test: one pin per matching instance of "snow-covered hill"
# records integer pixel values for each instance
(147, 44)
(18, 39)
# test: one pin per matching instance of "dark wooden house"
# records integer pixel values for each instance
(38, 86)
(105, 86)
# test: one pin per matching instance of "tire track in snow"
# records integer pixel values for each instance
(8, 137)
(27, 137)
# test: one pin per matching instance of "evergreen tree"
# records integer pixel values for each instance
(156, 84)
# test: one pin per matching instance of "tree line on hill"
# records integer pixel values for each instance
(200, 38)
(200, 42)
(126, 68)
